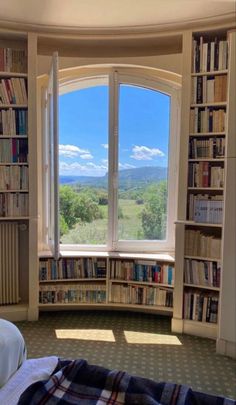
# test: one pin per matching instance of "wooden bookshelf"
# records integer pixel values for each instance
(143, 273)
(202, 287)
(205, 111)
(211, 134)
(210, 104)
(17, 97)
(204, 258)
(211, 73)
(120, 281)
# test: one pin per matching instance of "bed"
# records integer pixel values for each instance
(50, 380)
(53, 381)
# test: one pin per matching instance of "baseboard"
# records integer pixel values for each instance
(14, 313)
(177, 325)
(226, 348)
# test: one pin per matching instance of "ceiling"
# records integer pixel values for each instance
(113, 14)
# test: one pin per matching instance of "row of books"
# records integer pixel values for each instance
(13, 60)
(72, 268)
(201, 306)
(199, 272)
(14, 177)
(209, 55)
(13, 91)
(209, 89)
(206, 208)
(146, 271)
(13, 122)
(13, 150)
(140, 295)
(200, 244)
(205, 174)
(14, 204)
(72, 294)
(207, 119)
(207, 148)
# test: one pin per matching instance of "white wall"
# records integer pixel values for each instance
(171, 62)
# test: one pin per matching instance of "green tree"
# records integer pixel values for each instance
(87, 209)
(63, 226)
(153, 216)
(68, 201)
(77, 207)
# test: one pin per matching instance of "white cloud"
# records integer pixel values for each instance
(77, 169)
(105, 145)
(97, 167)
(145, 153)
(105, 162)
(86, 156)
(121, 165)
(69, 166)
(126, 166)
(71, 151)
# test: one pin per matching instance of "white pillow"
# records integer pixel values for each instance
(12, 350)
(31, 371)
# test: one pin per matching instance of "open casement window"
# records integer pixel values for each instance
(50, 152)
(136, 173)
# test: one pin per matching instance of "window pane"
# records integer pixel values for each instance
(143, 163)
(83, 158)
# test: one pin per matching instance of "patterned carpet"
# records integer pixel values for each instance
(141, 344)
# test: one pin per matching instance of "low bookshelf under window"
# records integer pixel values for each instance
(112, 280)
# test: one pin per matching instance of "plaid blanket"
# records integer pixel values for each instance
(77, 382)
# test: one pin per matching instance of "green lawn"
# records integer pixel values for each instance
(130, 226)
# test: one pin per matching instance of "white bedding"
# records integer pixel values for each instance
(32, 370)
(12, 350)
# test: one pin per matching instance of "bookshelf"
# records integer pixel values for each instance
(13, 133)
(201, 225)
(115, 280)
(17, 59)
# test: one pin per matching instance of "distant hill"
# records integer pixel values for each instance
(128, 178)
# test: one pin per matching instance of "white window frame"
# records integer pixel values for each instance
(145, 78)
(169, 243)
(50, 169)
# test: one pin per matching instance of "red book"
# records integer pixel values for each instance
(14, 151)
(8, 88)
(205, 174)
(1, 59)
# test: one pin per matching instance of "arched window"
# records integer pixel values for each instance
(118, 147)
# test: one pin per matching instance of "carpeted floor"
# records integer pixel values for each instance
(141, 344)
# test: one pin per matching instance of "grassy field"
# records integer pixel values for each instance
(129, 226)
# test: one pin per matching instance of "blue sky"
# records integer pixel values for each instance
(83, 130)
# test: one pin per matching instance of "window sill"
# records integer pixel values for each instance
(165, 257)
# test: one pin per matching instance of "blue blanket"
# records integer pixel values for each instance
(77, 382)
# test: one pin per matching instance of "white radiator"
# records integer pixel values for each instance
(9, 263)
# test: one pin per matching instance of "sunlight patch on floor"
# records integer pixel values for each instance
(150, 338)
(104, 335)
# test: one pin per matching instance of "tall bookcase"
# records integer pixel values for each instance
(17, 152)
(203, 216)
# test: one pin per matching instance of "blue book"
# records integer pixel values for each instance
(170, 274)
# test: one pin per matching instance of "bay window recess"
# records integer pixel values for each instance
(110, 172)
